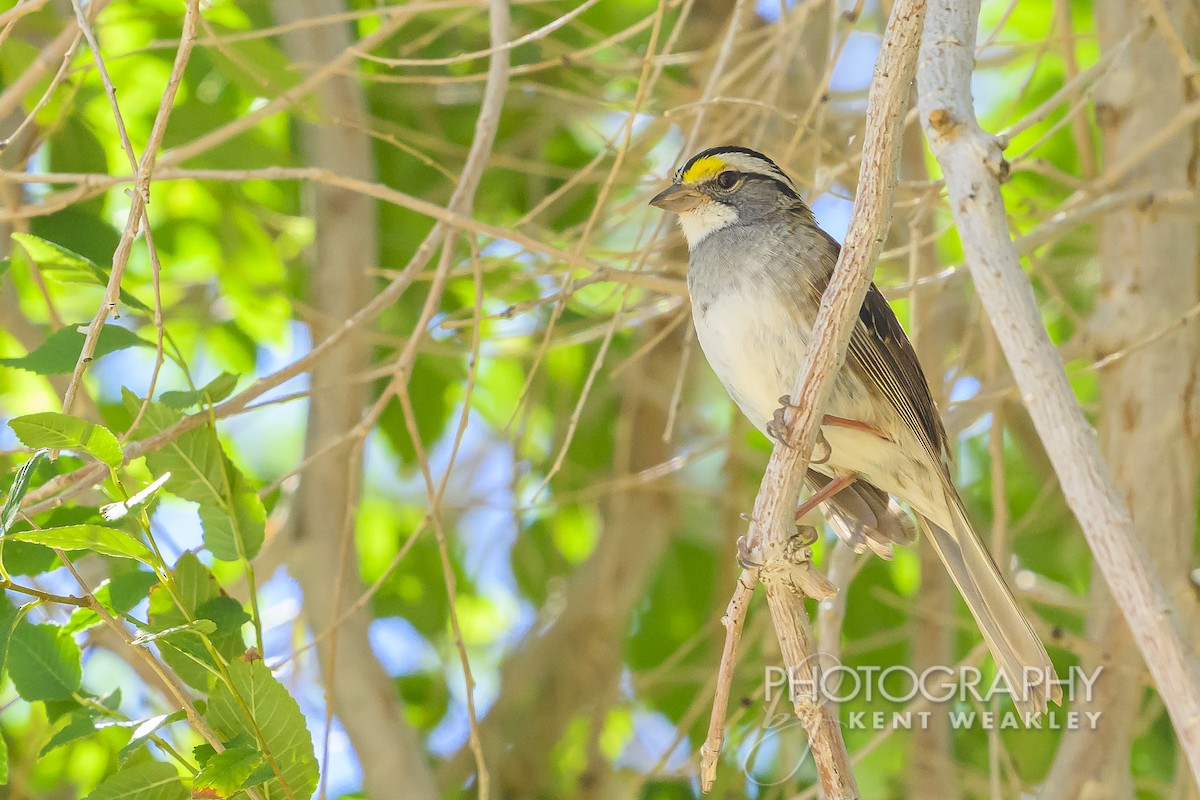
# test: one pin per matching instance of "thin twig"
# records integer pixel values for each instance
(141, 189)
(772, 520)
(734, 619)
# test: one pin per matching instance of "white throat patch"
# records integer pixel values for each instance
(704, 219)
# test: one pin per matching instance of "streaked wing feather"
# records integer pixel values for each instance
(879, 347)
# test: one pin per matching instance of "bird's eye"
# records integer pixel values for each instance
(727, 180)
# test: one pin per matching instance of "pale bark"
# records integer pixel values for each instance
(931, 752)
(1145, 395)
(360, 692)
(971, 164)
(772, 522)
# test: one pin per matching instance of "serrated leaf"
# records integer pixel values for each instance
(277, 715)
(65, 432)
(226, 772)
(93, 538)
(65, 266)
(12, 504)
(198, 589)
(214, 391)
(152, 780)
(44, 662)
(231, 512)
(58, 354)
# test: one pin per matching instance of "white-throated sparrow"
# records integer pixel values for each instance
(759, 265)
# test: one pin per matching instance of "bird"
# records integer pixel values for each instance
(758, 265)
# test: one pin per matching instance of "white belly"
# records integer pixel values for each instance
(758, 357)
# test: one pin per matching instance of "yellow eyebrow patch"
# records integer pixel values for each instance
(704, 168)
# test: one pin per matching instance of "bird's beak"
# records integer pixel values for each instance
(677, 198)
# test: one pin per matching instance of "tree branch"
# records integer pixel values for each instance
(972, 164)
(772, 522)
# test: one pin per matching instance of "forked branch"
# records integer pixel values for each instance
(786, 575)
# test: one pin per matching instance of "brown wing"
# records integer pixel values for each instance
(881, 349)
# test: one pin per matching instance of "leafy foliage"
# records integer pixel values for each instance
(545, 480)
(256, 705)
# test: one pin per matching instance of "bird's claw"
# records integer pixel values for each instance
(777, 427)
(805, 536)
(823, 447)
(743, 555)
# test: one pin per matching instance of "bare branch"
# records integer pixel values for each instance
(772, 521)
(971, 162)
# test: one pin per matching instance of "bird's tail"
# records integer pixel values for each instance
(1016, 648)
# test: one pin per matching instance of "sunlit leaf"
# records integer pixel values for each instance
(59, 353)
(93, 538)
(214, 391)
(152, 780)
(226, 772)
(274, 713)
(63, 431)
(231, 511)
(59, 263)
(44, 662)
(12, 503)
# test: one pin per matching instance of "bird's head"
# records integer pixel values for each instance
(725, 186)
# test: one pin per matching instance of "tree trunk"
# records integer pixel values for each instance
(323, 561)
(1147, 414)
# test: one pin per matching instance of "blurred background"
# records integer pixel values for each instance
(503, 499)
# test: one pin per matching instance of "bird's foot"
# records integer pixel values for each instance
(805, 537)
(744, 559)
(777, 427)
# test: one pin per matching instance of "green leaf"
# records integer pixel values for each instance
(93, 538)
(226, 772)
(226, 613)
(152, 780)
(118, 510)
(119, 595)
(62, 431)
(20, 486)
(44, 662)
(276, 714)
(80, 724)
(10, 615)
(197, 626)
(58, 354)
(203, 598)
(235, 529)
(145, 729)
(214, 391)
(231, 511)
(3, 751)
(58, 263)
